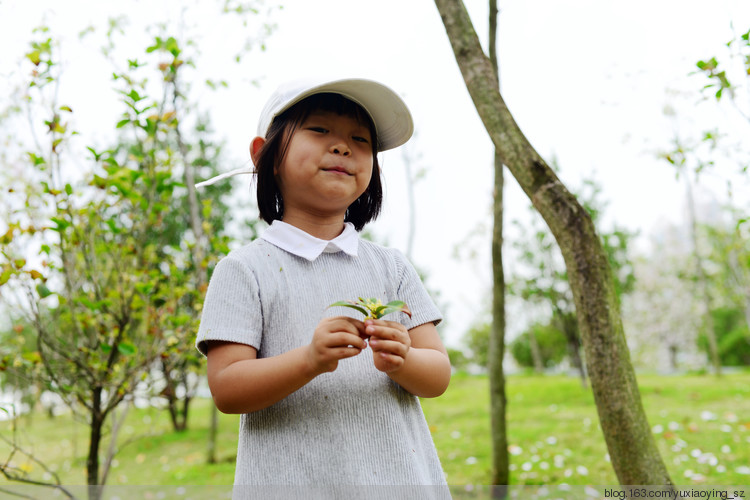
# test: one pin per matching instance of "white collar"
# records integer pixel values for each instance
(307, 246)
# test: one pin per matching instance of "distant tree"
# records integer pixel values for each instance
(550, 343)
(732, 336)
(97, 273)
(477, 339)
(96, 253)
(726, 81)
(543, 278)
(662, 313)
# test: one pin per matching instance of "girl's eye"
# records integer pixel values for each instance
(361, 139)
(318, 129)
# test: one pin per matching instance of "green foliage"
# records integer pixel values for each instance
(374, 308)
(732, 335)
(458, 358)
(541, 277)
(477, 339)
(551, 342)
(716, 72)
(105, 265)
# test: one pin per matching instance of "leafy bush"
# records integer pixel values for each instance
(552, 346)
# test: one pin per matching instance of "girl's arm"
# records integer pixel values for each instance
(242, 383)
(415, 359)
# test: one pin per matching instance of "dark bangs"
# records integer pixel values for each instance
(366, 208)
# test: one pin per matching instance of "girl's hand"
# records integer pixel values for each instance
(390, 343)
(335, 339)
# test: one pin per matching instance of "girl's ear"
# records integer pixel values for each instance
(255, 146)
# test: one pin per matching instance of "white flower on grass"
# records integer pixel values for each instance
(559, 461)
(456, 434)
(515, 450)
(707, 415)
(696, 453)
(726, 449)
(720, 468)
(726, 428)
(552, 440)
(657, 429)
(688, 473)
(731, 417)
(526, 466)
(591, 492)
(544, 465)
(743, 469)
(471, 460)
(582, 470)
(673, 426)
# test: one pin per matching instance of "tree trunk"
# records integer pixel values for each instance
(496, 351)
(213, 434)
(536, 353)
(632, 449)
(95, 438)
(573, 340)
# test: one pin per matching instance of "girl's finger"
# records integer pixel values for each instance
(388, 347)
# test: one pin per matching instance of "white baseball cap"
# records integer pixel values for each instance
(392, 119)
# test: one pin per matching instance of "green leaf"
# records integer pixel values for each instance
(126, 348)
(395, 306)
(36, 160)
(351, 305)
(60, 223)
(5, 276)
(68, 189)
(43, 291)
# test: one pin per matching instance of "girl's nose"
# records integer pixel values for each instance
(340, 148)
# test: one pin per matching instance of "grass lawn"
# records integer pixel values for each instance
(701, 424)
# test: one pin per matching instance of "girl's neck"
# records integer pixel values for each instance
(324, 229)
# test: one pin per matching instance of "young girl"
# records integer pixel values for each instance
(326, 398)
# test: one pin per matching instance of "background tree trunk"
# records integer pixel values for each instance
(496, 351)
(632, 449)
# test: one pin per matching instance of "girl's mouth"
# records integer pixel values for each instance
(339, 170)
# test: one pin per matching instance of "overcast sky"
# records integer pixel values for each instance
(587, 81)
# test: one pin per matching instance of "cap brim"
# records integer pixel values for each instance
(392, 119)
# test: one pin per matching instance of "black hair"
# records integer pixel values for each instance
(364, 209)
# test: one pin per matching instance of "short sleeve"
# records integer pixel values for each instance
(232, 311)
(412, 291)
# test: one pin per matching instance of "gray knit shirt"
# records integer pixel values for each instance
(353, 426)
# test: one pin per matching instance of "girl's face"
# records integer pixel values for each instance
(327, 166)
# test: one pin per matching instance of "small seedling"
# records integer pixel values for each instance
(374, 308)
